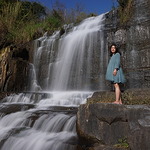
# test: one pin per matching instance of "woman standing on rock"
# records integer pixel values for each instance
(114, 72)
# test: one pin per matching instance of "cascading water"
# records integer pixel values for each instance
(71, 62)
(61, 79)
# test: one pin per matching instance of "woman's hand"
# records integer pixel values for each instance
(115, 72)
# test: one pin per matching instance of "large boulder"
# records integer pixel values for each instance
(110, 126)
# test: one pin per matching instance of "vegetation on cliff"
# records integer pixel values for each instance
(19, 21)
(23, 21)
(125, 10)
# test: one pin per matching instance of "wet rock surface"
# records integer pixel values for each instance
(12, 108)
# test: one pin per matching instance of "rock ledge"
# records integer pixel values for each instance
(103, 125)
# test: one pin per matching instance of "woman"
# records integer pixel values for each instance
(114, 72)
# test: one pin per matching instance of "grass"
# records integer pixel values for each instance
(17, 26)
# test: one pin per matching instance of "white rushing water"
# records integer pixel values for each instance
(60, 80)
(46, 99)
(68, 62)
(49, 131)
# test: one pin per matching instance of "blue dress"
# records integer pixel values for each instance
(114, 63)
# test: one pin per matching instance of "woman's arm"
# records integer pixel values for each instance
(115, 72)
(117, 61)
(117, 64)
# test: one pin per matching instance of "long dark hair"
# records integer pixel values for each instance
(117, 51)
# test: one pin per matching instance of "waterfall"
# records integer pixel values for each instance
(71, 62)
(62, 77)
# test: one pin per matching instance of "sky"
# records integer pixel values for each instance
(91, 6)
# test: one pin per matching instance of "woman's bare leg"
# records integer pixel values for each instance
(118, 94)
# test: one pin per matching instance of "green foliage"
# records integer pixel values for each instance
(122, 143)
(57, 15)
(2, 2)
(21, 22)
(35, 8)
(72, 15)
(26, 33)
(51, 23)
(59, 10)
(14, 23)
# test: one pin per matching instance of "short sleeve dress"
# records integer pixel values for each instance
(114, 63)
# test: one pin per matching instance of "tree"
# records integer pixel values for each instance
(36, 9)
(75, 14)
(59, 9)
(81, 17)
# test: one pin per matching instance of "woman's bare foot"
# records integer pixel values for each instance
(116, 102)
(120, 102)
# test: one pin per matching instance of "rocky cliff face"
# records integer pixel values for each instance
(134, 42)
(14, 68)
(108, 126)
(105, 126)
